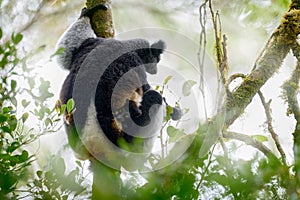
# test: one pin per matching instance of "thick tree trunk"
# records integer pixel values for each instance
(106, 182)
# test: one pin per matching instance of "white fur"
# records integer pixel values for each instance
(102, 149)
(72, 38)
(93, 137)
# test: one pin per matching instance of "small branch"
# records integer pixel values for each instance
(203, 174)
(202, 51)
(225, 149)
(250, 141)
(233, 77)
(270, 126)
(290, 88)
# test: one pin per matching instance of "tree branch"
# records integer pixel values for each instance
(102, 21)
(250, 141)
(290, 88)
(276, 50)
(266, 106)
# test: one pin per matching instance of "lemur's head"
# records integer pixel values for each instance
(90, 12)
(151, 56)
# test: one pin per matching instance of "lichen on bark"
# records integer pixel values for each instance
(102, 21)
(267, 65)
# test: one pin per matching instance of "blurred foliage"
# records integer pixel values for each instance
(252, 13)
(218, 175)
(18, 177)
(55, 183)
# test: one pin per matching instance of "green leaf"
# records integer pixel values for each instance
(169, 110)
(16, 39)
(13, 123)
(1, 33)
(13, 147)
(48, 122)
(14, 101)
(13, 84)
(79, 163)
(25, 103)
(25, 117)
(6, 129)
(3, 118)
(44, 90)
(174, 133)
(48, 111)
(70, 105)
(59, 51)
(31, 82)
(187, 87)
(24, 156)
(260, 138)
(63, 109)
(39, 174)
(6, 110)
(59, 166)
(167, 79)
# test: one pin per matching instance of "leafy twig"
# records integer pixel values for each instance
(206, 168)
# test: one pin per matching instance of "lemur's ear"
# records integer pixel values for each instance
(158, 48)
(90, 12)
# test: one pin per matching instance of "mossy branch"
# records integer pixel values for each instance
(269, 61)
(102, 21)
(290, 88)
(276, 50)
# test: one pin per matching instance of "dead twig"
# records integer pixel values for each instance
(267, 108)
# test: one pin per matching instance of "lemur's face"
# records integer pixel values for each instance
(151, 56)
(151, 63)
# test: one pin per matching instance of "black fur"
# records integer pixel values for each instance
(78, 57)
(132, 60)
(151, 56)
(150, 98)
(141, 61)
(67, 89)
(105, 88)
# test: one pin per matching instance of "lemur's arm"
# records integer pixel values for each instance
(150, 98)
(75, 35)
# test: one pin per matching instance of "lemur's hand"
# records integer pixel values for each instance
(176, 115)
(90, 12)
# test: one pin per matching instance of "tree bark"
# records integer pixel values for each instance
(106, 182)
(276, 50)
(102, 21)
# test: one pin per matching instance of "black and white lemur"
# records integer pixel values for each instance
(116, 108)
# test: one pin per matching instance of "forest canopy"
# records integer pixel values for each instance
(231, 66)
